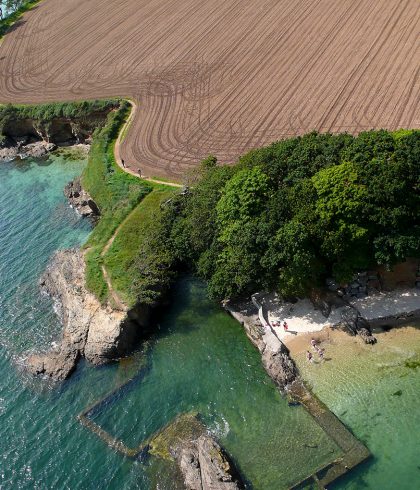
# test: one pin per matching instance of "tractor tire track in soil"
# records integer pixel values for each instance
(220, 77)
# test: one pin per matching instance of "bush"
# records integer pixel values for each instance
(287, 216)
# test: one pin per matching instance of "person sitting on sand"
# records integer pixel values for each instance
(309, 356)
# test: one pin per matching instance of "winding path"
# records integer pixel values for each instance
(119, 303)
(127, 167)
(220, 77)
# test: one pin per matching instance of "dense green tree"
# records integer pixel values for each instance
(291, 214)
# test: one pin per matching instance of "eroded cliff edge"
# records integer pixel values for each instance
(90, 330)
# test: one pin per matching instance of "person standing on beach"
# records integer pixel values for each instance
(285, 326)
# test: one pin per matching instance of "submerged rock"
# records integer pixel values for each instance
(90, 329)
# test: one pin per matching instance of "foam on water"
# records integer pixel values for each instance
(201, 360)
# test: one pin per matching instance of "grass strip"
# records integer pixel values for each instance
(9, 20)
(131, 238)
(115, 192)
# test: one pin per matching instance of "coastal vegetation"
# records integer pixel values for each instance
(130, 211)
(44, 114)
(16, 9)
(289, 215)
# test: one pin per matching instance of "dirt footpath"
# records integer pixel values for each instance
(221, 77)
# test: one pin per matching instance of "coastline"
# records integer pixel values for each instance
(382, 311)
(284, 354)
(390, 308)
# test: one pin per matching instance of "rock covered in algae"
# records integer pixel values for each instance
(202, 462)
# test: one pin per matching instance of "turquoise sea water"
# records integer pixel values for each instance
(375, 390)
(199, 360)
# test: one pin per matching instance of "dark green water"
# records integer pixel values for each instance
(200, 360)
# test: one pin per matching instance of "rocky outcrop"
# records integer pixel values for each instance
(204, 466)
(34, 150)
(90, 330)
(81, 200)
(356, 324)
(275, 355)
(202, 462)
(280, 367)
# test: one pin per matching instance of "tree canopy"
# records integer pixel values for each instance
(289, 215)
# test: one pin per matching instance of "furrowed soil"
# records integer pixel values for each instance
(221, 77)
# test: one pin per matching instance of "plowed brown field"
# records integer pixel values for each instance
(221, 76)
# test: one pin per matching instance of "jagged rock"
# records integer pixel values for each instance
(278, 364)
(367, 336)
(36, 150)
(89, 329)
(57, 365)
(364, 331)
(81, 200)
(204, 466)
(280, 367)
(356, 325)
(8, 153)
(189, 465)
(33, 150)
(202, 462)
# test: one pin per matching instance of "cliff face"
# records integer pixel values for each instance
(59, 130)
(90, 330)
(32, 138)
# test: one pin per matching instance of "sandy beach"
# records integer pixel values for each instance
(398, 306)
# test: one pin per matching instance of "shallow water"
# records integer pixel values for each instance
(200, 360)
(375, 392)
